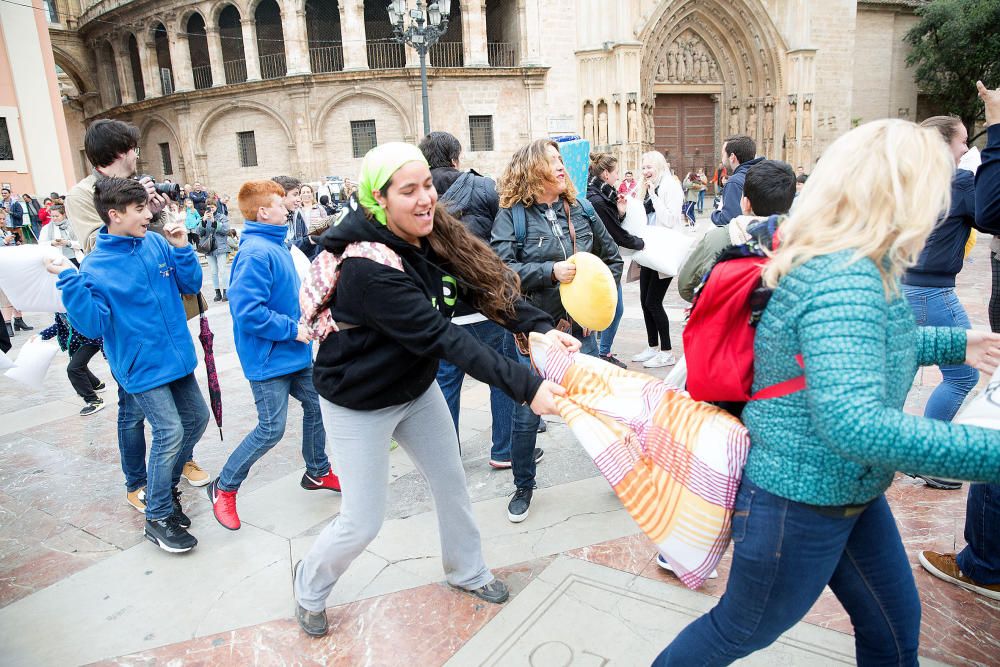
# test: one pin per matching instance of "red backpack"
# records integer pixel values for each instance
(718, 337)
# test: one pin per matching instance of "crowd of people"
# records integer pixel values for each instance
(432, 272)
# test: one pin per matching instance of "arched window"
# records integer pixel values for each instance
(136, 66)
(165, 71)
(383, 53)
(234, 60)
(112, 87)
(448, 51)
(270, 40)
(326, 48)
(501, 32)
(201, 66)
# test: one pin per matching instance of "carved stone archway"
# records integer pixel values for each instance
(727, 48)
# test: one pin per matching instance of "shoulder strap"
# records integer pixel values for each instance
(520, 227)
(587, 207)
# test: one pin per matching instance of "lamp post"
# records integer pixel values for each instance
(427, 24)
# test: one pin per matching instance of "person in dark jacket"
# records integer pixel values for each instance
(977, 566)
(738, 154)
(472, 199)
(929, 285)
(536, 181)
(375, 376)
(199, 197)
(609, 203)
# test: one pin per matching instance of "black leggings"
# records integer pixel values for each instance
(995, 295)
(652, 290)
(83, 381)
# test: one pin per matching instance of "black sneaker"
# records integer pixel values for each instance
(517, 508)
(92, 407)
(940, 484)
(100, 386)
(169, 535)
(182, 519)
(313, 623)
(613, 360)
(495, 592)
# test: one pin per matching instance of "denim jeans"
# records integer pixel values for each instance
(522, 441)
(784, 554)
(608, 335)
(220, 270)
(271, 397)
(450, 377)
(940, 307)
(178, 415)
(980, 559)
(131, 441)
(701, 201)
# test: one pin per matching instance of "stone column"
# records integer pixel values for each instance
(474, 26)
(215, 56)
(150, 70)
(180, 62)
(531, 51)
(293, 27)
(125, 84)
(352, 29)
(250, 49)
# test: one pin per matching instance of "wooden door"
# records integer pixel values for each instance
(685, 132)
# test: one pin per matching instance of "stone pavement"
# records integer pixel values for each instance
(79, 584)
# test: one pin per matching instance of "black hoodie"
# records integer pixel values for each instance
(403, 326)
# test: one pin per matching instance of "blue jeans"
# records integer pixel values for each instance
(271, 397)
(220, 270)
(980, 560)
(784, 554)
(178, 415)
(940, 307)
(701, 201)
(450, 378)
(608, 335)
(131, 441)
(522, 441)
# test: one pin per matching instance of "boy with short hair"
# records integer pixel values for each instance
(273, 348)
(128, 292)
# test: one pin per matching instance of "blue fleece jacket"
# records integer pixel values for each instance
(732, 193)
(264, 301)
(128, 291)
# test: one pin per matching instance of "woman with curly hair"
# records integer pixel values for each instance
(375, 376)
(535, 184)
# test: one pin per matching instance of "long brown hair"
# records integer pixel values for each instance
(526, 175)
(494, 287)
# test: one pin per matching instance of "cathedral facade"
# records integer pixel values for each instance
(229, 90)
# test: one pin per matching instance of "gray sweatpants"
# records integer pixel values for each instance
(359, 443)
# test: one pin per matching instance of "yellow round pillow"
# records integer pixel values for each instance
(592, 297)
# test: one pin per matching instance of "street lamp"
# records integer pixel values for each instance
(427, 24)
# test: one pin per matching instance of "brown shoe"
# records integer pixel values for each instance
(944, 566)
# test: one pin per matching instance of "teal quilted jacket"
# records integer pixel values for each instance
(840, 441)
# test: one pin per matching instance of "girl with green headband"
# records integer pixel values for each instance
(375, 376)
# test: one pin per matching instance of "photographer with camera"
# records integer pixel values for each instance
(112, 146)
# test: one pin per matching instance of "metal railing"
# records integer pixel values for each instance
(447, 54)
(385, 55)
(272, 66)
(202, 76)
(326, 59)
(500, 54)
(236, 70)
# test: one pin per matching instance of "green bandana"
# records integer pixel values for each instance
(380, 164)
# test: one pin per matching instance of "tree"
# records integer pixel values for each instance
(955, 43)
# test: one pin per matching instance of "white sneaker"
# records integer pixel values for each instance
(659, 360)
(662, 562)
(645, 355)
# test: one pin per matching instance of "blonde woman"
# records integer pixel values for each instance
(811, 510)
(663, 197)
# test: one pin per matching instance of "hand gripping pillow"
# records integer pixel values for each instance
(592, 297)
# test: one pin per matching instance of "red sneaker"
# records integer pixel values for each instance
(328, 481)
(223, 506)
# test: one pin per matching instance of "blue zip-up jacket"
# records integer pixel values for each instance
(944, 253)
(988, 180)
(264, 302)
(732, 193)
(128, 291)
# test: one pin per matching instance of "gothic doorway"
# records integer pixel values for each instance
(685, 131)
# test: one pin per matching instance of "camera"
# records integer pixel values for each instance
(168, 190)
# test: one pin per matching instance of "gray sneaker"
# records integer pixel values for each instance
(495, 592)
(313, 623)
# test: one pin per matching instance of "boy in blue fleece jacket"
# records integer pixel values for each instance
(128, 292)
(274, 350)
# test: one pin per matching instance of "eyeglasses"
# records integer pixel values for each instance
(136, 149)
